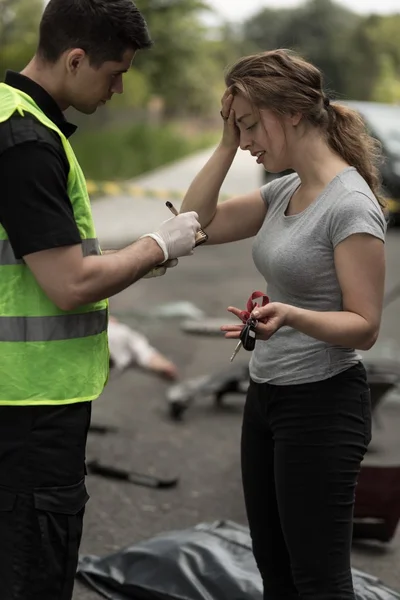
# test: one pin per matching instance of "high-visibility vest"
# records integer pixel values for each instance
(47, 355)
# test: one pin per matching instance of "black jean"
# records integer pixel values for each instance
(42, 499)
(302, 448)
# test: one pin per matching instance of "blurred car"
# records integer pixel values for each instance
(383, 122)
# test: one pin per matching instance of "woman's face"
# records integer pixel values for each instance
(263, 134)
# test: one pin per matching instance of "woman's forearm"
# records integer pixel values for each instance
(345, 328)
(202, 195)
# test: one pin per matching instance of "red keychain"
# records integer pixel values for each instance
(251, 305)
(248, 333)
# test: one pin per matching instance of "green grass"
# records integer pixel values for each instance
(123, 153)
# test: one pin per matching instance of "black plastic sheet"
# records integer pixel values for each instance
(209, 561)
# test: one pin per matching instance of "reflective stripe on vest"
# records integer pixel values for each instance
(89, 247)
(50, 329)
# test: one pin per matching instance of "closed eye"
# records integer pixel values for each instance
(251, 127)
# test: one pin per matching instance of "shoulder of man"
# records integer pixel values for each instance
(21, 129)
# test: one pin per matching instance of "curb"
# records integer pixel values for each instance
(113, 188)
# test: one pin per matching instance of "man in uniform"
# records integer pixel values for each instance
(54, 282)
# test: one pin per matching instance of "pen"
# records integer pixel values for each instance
(201, 236)
(172, 208)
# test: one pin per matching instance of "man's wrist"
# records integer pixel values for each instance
(157, 246)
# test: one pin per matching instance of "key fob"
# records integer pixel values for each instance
(248, 335)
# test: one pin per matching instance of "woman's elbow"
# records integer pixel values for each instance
(369, 339)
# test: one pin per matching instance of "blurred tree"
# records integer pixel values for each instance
(229, 44)
(6, 17)
(374, 62)
(269, 29)
(320, 30)
(136, 91)
(180, 66)
(359, 56)
(226, 46)
(19, 20)
(362, 65)
(383, 33)
(387, 88)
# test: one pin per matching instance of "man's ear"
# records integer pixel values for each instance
(74, 59)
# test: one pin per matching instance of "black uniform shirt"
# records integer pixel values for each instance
(35, 209)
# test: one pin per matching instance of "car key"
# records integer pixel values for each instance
(248, 334)
(236, 350)
(247, 337)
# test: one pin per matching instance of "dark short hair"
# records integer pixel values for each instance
(104, 29)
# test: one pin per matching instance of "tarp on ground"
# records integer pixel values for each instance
(211, 561)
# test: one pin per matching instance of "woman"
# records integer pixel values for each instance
(319, 243)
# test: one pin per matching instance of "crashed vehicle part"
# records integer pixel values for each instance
(383, 376)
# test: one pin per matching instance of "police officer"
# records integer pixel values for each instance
(54, 282)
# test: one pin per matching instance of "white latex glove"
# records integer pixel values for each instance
(161, 269)
(177, 236)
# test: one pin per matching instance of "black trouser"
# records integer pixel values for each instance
(42, 499)
(302, 446)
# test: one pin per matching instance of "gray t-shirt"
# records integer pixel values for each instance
(295, 255)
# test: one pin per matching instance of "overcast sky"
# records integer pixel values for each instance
(236, 10)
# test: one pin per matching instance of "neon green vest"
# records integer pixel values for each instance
(48, 356)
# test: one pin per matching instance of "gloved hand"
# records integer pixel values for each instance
(161, 269)
(177, 236)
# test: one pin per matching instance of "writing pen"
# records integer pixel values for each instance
(172, 208)
(201, 236)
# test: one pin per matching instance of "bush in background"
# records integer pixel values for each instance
(126, 152)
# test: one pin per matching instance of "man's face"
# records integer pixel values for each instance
(89, 87)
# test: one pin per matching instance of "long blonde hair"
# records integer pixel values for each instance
(286, 83)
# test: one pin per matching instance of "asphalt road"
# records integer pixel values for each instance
(203, 450)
